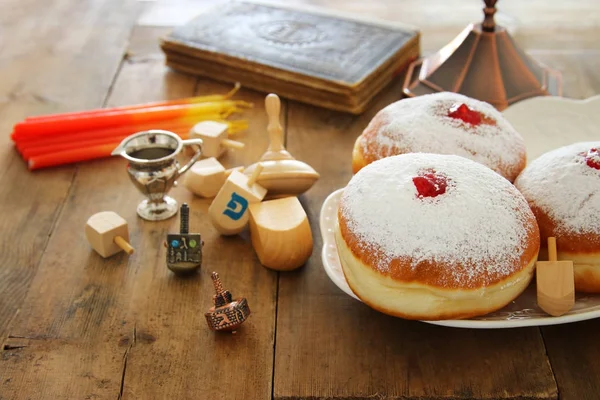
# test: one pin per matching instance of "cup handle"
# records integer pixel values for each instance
(195, 157)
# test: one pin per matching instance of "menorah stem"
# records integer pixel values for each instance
(488, 24)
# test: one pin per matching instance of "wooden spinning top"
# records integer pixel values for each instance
(283, 175)
(226, 314)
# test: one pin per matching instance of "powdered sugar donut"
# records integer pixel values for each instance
(430, 237)
(563, 190)
(443, 123)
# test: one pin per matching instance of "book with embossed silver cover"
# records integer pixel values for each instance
(322, 59)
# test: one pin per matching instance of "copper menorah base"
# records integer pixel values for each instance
(485, 64)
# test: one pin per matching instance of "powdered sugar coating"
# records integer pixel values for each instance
(479, 227)
(422, 125)
(565, 188)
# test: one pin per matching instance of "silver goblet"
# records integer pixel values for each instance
(153, 168)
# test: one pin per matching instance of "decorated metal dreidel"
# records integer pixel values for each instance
(207, 176)
(229, 210)
(214, 138)
(555, 283)
(107, 233)
(184, 249)
(226, 314)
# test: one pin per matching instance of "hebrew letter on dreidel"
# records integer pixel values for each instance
(232, 206)
(229, 210)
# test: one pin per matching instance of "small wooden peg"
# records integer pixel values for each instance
(214, 138)
(228, 211)
(280, 233)
(232, 144)
(107, 233)
(555, 283)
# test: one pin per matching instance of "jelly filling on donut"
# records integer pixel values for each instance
(430, 184)
(471, 117)
(592, 158)
(464, 113)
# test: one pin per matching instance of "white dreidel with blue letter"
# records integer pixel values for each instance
(229, 210)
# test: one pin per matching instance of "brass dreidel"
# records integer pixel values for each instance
(226, 314)
(184, 250)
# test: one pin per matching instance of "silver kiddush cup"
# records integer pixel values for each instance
(153, 168)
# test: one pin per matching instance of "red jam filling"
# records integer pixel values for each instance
(430, 184)
(464, 113)
(592, 158)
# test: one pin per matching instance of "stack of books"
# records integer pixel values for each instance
(327, 60)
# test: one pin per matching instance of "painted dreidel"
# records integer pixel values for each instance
(555, 282)
(108, 234)
(184, 249)
(283, 175)
(226, 314)
(207, 176)
(214, 138)
(229, 210)
(280, 233)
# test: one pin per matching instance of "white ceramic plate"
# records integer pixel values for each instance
(546, 123)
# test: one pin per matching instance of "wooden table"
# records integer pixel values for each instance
(75, 326)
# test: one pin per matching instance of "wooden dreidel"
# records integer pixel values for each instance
(228, 211)
(555, 283)
(283, 175)
(107, 233)
(280, 233)
(226, 314)
(184, 249)
(214, 138)
(206, 177)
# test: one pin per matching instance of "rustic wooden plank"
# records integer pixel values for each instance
(573, 352)
(126, 324)
(187, 359)
(55, 56)
(331, 346)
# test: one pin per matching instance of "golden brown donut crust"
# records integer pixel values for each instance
(578, 243)
(361, 159)
(430, 273)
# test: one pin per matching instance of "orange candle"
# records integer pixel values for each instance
(120, 118)
(71, 156)
(34, 151)
(177, 124)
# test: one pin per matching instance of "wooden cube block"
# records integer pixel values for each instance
(212, 134)
(229, 209)
(107, 233)
(205, 178)
(280, 233)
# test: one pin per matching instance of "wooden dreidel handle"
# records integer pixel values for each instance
(107, 233)
(228, 211)
(276, 149)
(555, 283)
(214, 138)
(280, 233)
(232, 144)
